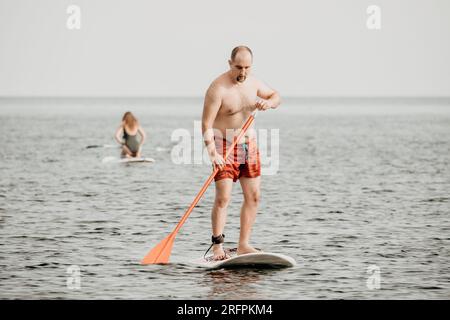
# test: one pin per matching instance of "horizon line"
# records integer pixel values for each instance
(424, 97)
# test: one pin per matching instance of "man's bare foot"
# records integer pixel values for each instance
(243, 249)
(219, 253)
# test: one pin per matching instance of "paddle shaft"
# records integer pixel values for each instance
(246, 125)
(161, 252)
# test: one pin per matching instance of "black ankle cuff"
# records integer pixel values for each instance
(218, 240)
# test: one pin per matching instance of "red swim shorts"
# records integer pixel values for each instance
(243, 162)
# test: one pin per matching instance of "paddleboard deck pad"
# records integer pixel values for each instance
(249, 260)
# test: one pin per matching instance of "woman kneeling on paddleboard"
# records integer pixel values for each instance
(127, 136)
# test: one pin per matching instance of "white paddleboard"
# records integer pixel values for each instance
(102, 146)
(127, 160)
(249, 260)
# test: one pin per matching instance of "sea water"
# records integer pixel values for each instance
(360, 199)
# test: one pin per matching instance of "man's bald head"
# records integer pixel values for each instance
(239, 49)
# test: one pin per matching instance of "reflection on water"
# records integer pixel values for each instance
(236, 283)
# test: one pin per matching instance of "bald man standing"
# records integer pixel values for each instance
(229, 101)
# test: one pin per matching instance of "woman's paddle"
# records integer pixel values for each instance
(161, 252)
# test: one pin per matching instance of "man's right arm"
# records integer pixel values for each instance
(211, 107)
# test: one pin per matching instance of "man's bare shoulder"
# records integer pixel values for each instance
(218, 86)
(254, 81)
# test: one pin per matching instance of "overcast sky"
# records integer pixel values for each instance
(176, 47)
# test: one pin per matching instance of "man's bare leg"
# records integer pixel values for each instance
(219, 213)
(251, 190)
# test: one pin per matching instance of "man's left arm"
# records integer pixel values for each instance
(270, 98)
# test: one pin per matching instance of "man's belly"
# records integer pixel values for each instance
(228, 126)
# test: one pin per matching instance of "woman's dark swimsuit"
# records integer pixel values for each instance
(131, 141)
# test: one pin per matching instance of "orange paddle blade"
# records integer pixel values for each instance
(161, 252)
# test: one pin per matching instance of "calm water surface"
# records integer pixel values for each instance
(358, 185)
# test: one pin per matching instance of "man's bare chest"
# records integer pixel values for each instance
(237, 100)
